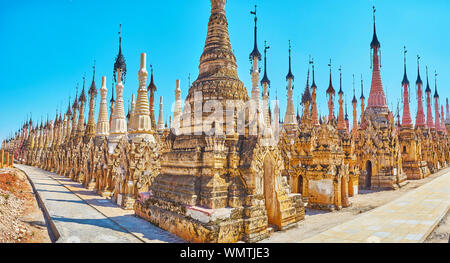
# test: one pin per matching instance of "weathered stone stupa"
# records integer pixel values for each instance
(217, 187)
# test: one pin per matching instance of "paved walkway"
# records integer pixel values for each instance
(80, 215)
(408, 219)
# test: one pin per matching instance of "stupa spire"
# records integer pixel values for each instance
(120, 60)
(377, 98)
(355, 104)
(341, 118)
(447, 119)
(74, 115)
(102, 128)
(406, 119)
(175, 123)
(420, 118)
(142, 122)
(362, 98)
(118, 122)
(443, 129)
(255, 56)
(265, 82)
(430, 123)
(82, 99)
(161, 115)
(330, 92)
(289, 117)
(90, 128)
(436, 104)
(290, 76)
(152, 88)
(314, 113)
(255, 53)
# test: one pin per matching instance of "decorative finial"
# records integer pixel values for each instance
(419, 79)
(375, 43)
(340, 80)
(313, 73)
(255, 53)
(405, 77)
(362, 88)
(93, 68)
(374, 11)
(151, 86)
(330, 89)
(265, 79)
(404, 54)
(290, 75)
(436, 95)
(112, 94)
(120, 59)
(354, 90)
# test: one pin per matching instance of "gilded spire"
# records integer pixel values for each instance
(419, 80)
(152, 89)
(436, 105)
(314, 86)
(354, 91)
(90, 128)
(420, 117)
(362, 89)
(217, 61)
(93, 89)
(82, 98)
(112, 94)
(405, 81)
(306, 97)
(340, 81)
(430, 122)
(102, 128)
(330, 89)
(375, 43)
(69, 112)
(427, 90)
(75, 103)
(447, 119)
(120, 59)
(290, 76)
(341, 125)
(406, 119)
(265, 79)
(255, 53)
(436, 95)
(151, 86)
(377, 97)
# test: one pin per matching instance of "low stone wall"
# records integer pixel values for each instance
(228, 230)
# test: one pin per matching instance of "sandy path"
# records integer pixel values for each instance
(317, 221)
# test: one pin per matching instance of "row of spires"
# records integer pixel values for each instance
(120, 65)
(377, 98)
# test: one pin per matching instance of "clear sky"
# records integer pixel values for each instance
(47, 46)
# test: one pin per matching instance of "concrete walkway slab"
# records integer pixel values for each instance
(409, 219)
(80, 215)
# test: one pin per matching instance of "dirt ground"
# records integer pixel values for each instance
(317, 221)
(21, 219)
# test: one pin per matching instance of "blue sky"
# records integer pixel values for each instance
(47, 46)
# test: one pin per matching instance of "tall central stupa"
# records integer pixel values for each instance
(215, 187)
(218, 78)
